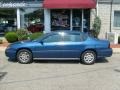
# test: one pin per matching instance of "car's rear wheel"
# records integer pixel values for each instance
(88, 57)
(24, 56)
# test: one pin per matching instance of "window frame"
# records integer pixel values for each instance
(81, 36)
(116, 27)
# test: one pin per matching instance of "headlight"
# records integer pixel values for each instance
(8, 47)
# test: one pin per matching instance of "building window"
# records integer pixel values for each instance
(66, 19)
(77, 20)
(60, 19)
(116, 18)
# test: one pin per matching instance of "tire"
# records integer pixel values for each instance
(88, 57)
(24, 56)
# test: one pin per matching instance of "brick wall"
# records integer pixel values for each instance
(104, 14)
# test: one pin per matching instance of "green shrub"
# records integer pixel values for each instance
(1, 41)
(35, 35)
(96, 26)
(11, 37)
(119, 39)
(22, 34)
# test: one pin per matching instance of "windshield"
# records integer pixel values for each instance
(41, 37)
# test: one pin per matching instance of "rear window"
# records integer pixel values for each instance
(83, 36)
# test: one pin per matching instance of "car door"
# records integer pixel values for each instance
(73, 46)
(50, 47)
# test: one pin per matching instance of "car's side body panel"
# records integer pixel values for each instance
(59, 50)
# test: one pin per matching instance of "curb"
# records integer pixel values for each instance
(115, 50)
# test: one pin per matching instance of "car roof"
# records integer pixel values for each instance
(67, 31)
(64, 31)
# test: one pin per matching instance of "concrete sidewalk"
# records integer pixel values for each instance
(2, 48)
(115, 50)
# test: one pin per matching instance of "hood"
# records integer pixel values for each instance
(21, 42)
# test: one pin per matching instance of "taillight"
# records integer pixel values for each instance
(109, 45)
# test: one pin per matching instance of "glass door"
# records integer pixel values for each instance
(81, 20)
(77, 19)
(86, 20)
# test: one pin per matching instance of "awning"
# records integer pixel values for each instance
(67, 4)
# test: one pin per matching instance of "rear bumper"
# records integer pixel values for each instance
(104, 52)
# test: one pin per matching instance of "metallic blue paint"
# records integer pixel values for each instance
(61, 49)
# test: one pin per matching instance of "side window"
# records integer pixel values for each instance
(83, 37)
(72, 38)
(65, 38)
(52, 38)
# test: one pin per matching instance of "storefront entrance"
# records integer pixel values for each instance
(67, 14)
(75, 19)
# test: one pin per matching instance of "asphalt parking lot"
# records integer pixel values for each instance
(60, 75)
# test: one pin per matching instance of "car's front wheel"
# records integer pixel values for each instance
(24, 56)
(88, 57)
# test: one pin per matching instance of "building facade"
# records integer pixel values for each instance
(54, 17)
(21, 13)
(109, 13)
(73, 17)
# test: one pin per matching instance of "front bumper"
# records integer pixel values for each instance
(105, 52)
(10, 53)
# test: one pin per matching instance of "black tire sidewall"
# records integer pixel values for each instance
(88, 51)
(24, 50)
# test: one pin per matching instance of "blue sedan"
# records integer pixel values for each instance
(62, 45)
